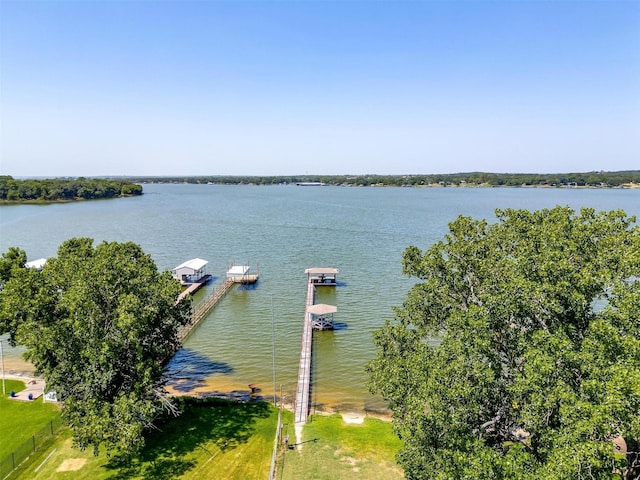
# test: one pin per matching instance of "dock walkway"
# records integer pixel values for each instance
(201, 311)
(236, 274)
(325, 277)
(194, 287)
(301, 409)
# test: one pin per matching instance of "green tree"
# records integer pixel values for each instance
(517, 352)
(11, 259)
(98, 323)
(63, 189)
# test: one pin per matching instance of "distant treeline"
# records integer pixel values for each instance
(589, 179)
(63, 189)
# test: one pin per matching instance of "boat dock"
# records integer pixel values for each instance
(201, 311)
(242, 274)
(235, 274)
(301, 409)
(194, 287)
(315, 277)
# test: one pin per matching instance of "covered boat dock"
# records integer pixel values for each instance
(316, 317)
(322, 316)
(320, 276)
(191, 271)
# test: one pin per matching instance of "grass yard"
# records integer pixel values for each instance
(211, 439)
(343, 451)
(227, 440)
(19, 420)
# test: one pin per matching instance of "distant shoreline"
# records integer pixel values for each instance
(51, 202)
(620, 179)
(626, 186)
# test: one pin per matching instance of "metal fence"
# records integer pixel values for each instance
(276, 445)
(20, 454)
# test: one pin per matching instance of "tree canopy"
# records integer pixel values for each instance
(98, 324)
(517, 352)
(64, 189)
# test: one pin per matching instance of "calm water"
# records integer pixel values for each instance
(283, 229)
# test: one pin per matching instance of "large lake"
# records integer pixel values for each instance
(283, 230)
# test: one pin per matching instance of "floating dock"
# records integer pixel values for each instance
(242, 274)
(315, 317)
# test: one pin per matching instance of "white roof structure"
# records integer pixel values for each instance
(322, 270)
(37, 264)
(238, 270)
(194, 264)
(321, 309)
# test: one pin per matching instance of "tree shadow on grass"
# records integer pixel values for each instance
(209, 425)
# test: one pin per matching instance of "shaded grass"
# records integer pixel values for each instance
(206, 429)
(48, 461)
(228, 440)
(211, 439)
(364, 451)
(19, 420)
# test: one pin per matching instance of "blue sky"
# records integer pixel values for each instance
(318, 87)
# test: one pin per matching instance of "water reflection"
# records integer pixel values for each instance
(189, 369)
(337, 326)
(249, 286)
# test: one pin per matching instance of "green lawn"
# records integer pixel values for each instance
(349, 451)
(226, 440)
(19, 421)
(212, 439)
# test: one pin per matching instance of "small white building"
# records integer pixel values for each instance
(190, 271)
(37, 264)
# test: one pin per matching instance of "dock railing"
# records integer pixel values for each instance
(201, 311)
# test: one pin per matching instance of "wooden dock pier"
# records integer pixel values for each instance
(315, 277)
(301, 409)
(236, 274)
(194, 287)
(201, 311)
